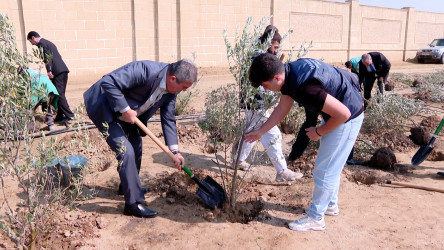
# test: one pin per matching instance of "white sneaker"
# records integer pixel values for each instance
(288, 175)
(51, 128)
(331, 210)
(243, 165)
(307, 224)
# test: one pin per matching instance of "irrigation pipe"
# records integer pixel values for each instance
(70, 129)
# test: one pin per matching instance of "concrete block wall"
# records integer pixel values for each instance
(97, 36)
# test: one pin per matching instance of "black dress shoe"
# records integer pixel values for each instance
(58, 119)
(353, 162)
(65, 121)
(144, 190)
(139, 210)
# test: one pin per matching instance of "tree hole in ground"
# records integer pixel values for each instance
(179, 188)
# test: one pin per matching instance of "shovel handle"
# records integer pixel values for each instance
(156, 140)
(439, 127)
(414, 186)
(191, 174)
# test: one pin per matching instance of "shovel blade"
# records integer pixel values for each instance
(421, 155)
(213, 195)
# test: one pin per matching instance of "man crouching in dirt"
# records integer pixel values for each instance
(137, 90)
(324, 89)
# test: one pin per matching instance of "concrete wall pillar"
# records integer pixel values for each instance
(354, 27)
(410, 29)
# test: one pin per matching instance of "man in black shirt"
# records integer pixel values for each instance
(57, 72)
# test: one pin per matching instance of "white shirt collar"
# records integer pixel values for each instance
(162, 84)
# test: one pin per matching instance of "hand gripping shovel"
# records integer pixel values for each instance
(424, 151)
(209, 190)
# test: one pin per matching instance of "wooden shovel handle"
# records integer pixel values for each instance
(157, 141)
(414, 186)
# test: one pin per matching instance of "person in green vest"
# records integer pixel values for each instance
(43, 92)
(353, 64)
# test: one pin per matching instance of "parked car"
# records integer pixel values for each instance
(435, 52)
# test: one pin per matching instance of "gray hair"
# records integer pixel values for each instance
(184, 70)
(365, 57)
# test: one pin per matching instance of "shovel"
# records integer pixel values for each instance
(211, 193)
(414, 186)
(424, 151)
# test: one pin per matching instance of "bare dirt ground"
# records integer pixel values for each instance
(372, 215)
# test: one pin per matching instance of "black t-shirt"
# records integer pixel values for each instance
(311, 94)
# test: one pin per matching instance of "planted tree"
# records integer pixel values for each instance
(224, 120)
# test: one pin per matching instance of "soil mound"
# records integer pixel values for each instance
(436, 155)
(397, 140)
(383, 158)
(431, 123)
(420, 135)
(69, 229)
(103, 155)
(389, 85)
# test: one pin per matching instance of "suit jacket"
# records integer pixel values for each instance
(53, 60)
(381, 63)
(132, 85)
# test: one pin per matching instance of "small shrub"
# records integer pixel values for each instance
(431, 92)
(183, 99)
(401, 77)
(386, 112)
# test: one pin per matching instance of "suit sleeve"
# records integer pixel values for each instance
(168, 121)
(121, 80)
(47, 57)
(385, 66)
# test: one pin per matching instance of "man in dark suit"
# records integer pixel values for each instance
(372, 66)
(138, 89)
(57, 72)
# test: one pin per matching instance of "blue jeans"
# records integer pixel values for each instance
(333, 152)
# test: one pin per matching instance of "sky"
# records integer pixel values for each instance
(420, 5)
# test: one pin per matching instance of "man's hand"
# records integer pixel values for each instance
(312, 134)
(129, 116)
(252, 136)
(179, 164)
(50, 75)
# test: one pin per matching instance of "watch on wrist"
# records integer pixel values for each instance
(175, 152)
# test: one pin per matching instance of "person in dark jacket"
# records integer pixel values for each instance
(137, 90)
(58, 73)
(372, 66)
(329, 91)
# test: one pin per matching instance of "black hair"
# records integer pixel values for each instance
(263, 68)
(32, 34)
(270, 28)
(348, 64)
(184, 70)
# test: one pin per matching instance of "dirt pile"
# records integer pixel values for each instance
(431, 122)
(420, 135)
(397, 140)
(383, 158)
(100, 156)
(69, 229)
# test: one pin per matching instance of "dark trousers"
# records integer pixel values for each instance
(368, 85)
(127, 144)
(302, 140)
(63, 110)
(46, 108)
